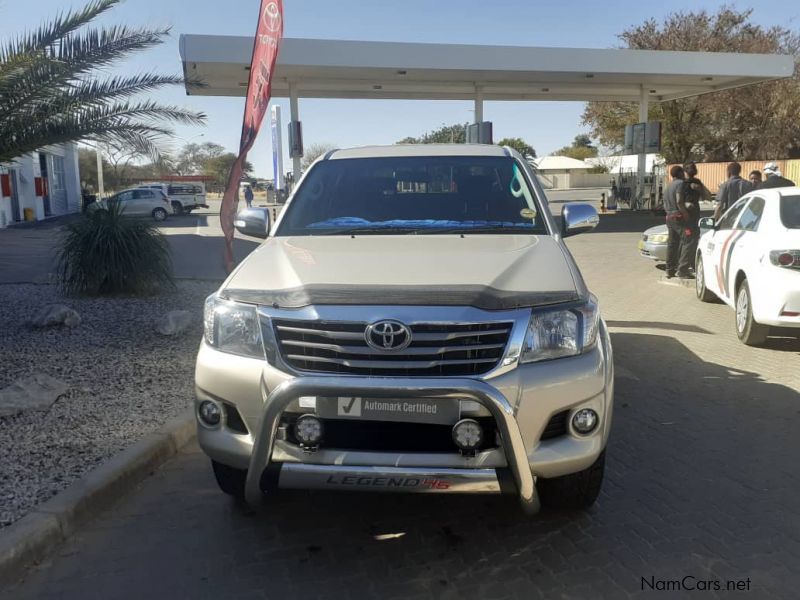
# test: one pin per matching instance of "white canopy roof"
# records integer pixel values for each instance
(359, 69)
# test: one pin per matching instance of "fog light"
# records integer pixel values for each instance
(467, 434)
(585, 420)
(308, 430)
(210, 413)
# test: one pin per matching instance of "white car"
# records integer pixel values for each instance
(183, 197)
(137, 202)
(751, 261)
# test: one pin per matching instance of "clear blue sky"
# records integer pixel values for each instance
(545, 125)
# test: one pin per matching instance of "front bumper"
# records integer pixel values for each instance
(522, 400)
(277, 401)
(653, 251)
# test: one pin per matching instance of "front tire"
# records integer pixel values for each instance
(159, 214)
(230, 480)
(577, 491)
(700, 282)
(749, 332)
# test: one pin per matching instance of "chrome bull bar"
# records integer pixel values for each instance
(276, 401)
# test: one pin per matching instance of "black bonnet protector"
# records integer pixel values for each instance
(477, 296)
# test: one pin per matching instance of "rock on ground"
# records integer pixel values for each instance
(56, 314)
(37, 392)
(125, 381)
(174, 322)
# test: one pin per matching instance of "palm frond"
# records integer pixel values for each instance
(50, 94)
(14, 53)
(76, 56)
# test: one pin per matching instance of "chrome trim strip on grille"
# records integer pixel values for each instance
(277, 400)
(366, 350)
(391, 364)
(417, 480)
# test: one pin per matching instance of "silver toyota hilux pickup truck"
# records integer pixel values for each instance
(413, 322)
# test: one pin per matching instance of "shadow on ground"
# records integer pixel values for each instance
(701, 480)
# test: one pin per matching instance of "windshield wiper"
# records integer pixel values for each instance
(368, 230)
(479, 229)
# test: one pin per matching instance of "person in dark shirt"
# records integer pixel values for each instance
(678, 258)
(731, 189)
(694, 192)
(774, 177)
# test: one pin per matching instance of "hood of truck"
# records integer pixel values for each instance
(486, 271)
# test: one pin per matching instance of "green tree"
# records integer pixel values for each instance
(219, 167)
(52, 89)
(519, 145)
(581, 148)
(753, 122)
(192, 158)
(446, 134)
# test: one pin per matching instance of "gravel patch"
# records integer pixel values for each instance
(125, 381)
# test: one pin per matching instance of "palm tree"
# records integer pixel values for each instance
(50, 92)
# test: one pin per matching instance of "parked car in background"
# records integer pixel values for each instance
(653, 244)
(137, 202)
(750, 259)
(183, 197)
(414, 322)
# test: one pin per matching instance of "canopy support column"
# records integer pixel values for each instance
(478, 104)
(642, 168)
(295, 134)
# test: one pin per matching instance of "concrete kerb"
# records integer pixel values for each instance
(33, 537)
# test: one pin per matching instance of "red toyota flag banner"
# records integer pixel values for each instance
(259, 91)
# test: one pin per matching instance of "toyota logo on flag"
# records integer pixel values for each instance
(272, 17)
(388, 335)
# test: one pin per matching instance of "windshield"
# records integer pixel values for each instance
(790, 212)
(418, 195)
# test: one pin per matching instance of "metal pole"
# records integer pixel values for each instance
(100, 187)
(478, 104)
(643, 105)
(294, 110)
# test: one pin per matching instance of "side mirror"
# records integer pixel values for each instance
(707, 223)
(577, 217)
(253, 222)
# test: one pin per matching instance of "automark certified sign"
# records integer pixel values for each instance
(422, 410)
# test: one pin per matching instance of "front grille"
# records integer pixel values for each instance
(436, 348)
(388, 436)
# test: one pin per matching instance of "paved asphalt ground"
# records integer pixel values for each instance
(701, 485)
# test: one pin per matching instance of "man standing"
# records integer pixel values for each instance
(248, 196)
(731, 189)
(693, 192)
(774, 177)
(678, 256)
(755, 178)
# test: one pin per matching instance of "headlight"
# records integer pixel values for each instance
(233, 327)
(661, 238)
(559, 333)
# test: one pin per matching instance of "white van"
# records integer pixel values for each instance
(183, 196)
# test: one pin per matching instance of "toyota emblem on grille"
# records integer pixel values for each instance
(388, 335)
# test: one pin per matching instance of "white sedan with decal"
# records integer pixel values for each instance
(751, 261)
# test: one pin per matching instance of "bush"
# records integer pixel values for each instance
(104, 252)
